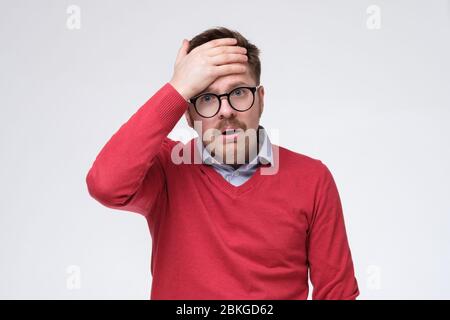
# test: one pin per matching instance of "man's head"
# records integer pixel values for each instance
(226, 117)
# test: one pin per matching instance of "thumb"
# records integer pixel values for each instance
(182, 52)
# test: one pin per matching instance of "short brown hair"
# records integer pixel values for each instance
(222, 32)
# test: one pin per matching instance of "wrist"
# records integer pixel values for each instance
(183, 92)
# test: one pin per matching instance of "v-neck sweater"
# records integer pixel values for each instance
(214, 240)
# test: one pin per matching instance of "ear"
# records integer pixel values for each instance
(188, 118)
(261, 100)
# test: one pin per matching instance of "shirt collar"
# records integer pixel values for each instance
(264, 155)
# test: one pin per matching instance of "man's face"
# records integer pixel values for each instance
(224, 147)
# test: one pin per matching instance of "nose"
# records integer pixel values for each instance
(226, 111)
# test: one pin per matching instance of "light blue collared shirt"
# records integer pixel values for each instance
(240, 175)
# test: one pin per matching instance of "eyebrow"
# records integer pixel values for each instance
(235, 84)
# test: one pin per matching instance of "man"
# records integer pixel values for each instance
(223, 225)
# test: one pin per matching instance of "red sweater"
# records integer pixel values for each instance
(213, 240)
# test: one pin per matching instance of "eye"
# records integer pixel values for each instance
(206, 98)
(237, 92)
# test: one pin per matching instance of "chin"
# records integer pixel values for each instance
(229, 152)
(235, 153)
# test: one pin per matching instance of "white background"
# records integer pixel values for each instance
(372, 104)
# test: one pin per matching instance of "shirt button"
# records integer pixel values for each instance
(236, 173)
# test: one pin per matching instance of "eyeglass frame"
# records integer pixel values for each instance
(219, 96)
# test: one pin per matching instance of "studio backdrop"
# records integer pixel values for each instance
(362, 85)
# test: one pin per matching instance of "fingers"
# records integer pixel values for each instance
(226, 49)
(220, 42)
(182, 52)
(232, 68)
(216, 43)
(213, 59)
(227, 58)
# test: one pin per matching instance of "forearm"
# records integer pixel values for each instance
(123, 162)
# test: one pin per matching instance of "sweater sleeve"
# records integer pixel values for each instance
(329, 256)
(128, 173)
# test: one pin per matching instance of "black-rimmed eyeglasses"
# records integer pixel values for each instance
(240, 99)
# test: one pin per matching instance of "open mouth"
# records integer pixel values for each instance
(227, 132)
(231, 134)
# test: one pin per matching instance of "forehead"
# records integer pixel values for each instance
(227, 82)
